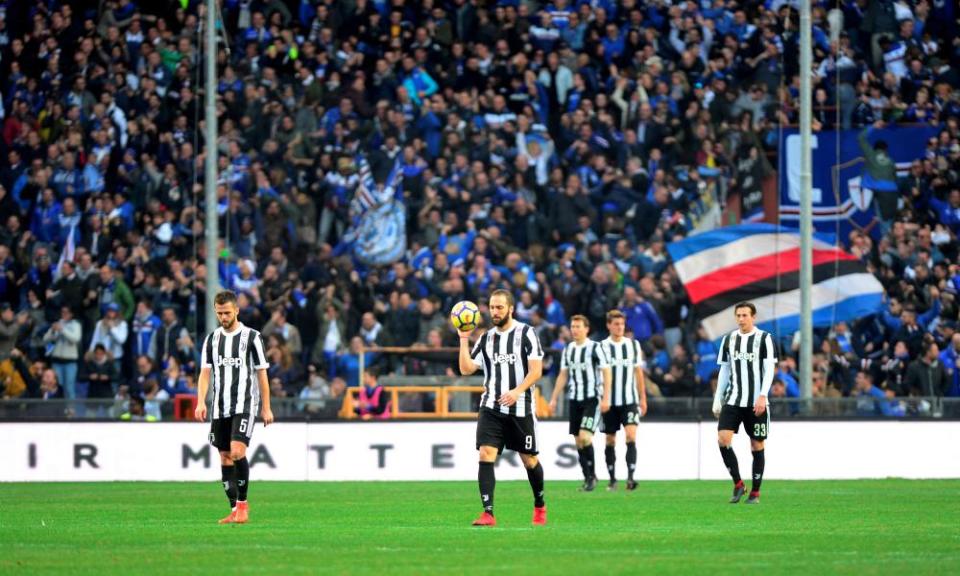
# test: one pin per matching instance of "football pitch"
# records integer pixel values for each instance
(829, 527)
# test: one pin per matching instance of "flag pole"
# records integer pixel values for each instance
(806, 207)
(211, 224)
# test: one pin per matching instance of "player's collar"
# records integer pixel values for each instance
(513, 325)
(750, 333)
(236, 331)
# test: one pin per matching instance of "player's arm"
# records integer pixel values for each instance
(263, 382)
(468, 364)
(641, 388)
(607, 388)
(266, 414)
(769, 368)
(203, 382)
(558, 385)
(203, 385)
(723, 382)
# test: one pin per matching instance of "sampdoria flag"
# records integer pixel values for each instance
(69, 251)
(761, 263)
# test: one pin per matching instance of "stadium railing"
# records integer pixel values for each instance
(463, 401)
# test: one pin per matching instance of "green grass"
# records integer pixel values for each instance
(858, 527)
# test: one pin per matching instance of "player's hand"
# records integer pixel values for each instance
(605, 405)
(509, 398)
(761, 406)
(266, 415)
(716, 409)
(464, 333)
(200, 413)
(553, 406)
(643, 406)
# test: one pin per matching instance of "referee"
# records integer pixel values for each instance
(748, 360)
(511, 358)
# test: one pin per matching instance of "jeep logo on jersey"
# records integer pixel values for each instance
(749, 356)
(504, 358)
(232, 362)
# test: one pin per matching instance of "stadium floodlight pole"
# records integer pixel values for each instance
(211, 229)
(806, 206)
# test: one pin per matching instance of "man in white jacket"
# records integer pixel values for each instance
(63, 350)
(112, 332)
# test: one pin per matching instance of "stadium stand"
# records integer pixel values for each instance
(382, 160)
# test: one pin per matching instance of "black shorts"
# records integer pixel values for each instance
(617, 416)
(584, 415)
(757, 427)
(236, 428)
(505, 431)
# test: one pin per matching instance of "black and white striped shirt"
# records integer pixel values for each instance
(234, 359)
(625, 356)
(752, 358)
(504, 358)
(583, 363)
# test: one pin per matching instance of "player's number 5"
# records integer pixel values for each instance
(243, 426)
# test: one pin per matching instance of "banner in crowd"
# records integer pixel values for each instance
(840, 204)
(761, 263)
(383, 451)
(378, 235)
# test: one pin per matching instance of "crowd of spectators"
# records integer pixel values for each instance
(551, 148)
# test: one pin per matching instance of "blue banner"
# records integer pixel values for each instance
(840, 203)
(381, 234)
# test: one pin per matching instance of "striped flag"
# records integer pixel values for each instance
(368, 195)
(761, 263)
(69, 250)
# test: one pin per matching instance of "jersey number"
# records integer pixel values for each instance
(633, 417)
(586, 423)
(243, 426)
(528, 442)
(759, 429)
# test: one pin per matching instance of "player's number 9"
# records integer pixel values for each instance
(528, 443)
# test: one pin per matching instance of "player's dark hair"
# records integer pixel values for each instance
(225, 297)
(580, 318)
(749, 305)
(614, 314)
(511, 301)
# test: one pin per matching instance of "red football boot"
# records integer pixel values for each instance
(485, 519)
(540, 516)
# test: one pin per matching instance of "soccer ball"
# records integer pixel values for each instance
(465, 316)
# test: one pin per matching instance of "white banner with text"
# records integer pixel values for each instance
(447, 451)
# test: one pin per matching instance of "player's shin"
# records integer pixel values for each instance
(488, 481)
(535, 475)
(730, 461)
(758, 463)
(229, 484)
(610, 454)
(631, 459)
(584, 457)
(243, 478)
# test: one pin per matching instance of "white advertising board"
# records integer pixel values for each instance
(446, 451)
